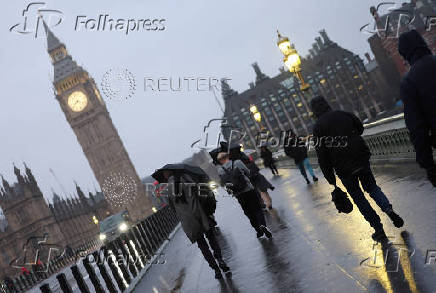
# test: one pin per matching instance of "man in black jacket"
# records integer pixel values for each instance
(340, 148)
(418, 93)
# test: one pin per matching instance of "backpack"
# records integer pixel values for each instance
(236, 178)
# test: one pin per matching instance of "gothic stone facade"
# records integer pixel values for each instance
(67, 223)
(332, 71)
(86, 112)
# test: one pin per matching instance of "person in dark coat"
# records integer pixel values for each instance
(295, 148)
(418, 94)
(195, 223)
(340, 148)
(246, 196)
(260, 183)
(268, 160)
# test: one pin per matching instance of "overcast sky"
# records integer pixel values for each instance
(201, 39)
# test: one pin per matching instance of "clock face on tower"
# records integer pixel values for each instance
(77, 101)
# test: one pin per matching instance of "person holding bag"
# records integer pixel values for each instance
(350, 161)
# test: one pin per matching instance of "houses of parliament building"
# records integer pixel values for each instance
(65, 222)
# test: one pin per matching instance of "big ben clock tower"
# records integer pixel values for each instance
(86, 112)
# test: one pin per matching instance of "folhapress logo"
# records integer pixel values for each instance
(107, 23)
(32, 19)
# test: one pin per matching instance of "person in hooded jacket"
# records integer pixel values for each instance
(295, 148)
(268, 160)
(341, 149)
(418, 94)
(183, 197)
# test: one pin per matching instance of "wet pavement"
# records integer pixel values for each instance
(314, 248)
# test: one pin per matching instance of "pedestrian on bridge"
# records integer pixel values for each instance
(268, 160)
(235, 176)
(340, 148)
(418, 93)
(184, 198)
(296, 149)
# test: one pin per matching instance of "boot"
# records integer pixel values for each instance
(307, 181)
(266, 231)
(315, 178)
(395, 218)
(379, 235)
(260, 232)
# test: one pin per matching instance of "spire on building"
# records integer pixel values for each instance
(260, 76)
(52, 41)
(226, 90)
(20, 178)
(29, 174)
(63, 63)
(325, 38)
(8, 189)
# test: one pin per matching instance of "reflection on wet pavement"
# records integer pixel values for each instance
(314, 248)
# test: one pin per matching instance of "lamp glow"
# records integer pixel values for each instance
(123, 227)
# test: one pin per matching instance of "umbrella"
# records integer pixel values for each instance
(196, 172)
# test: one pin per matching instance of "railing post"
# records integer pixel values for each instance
(133, 234)
(152, 234)
(149, 236)
(79, 279)
(45, 288)
(125, 255)
(103, 272)
(133, 257)
(92, 276)
(156, 228)
(145, 238)
(111, 262)
(63, 283)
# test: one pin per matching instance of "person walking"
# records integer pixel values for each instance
(235, 176)
(295, 148)
(268, 160)
(260, 183)
(350, 161)
(183, 197)
(418, 94)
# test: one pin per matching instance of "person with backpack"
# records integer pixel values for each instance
(235, 177)
(341, 149)
(184, 196)
(295, 148)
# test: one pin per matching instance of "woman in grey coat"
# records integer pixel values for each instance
(183, 196)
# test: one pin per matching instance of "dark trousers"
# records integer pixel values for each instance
(369, 184)
(273, 168)
(204, 247)
(252, 209)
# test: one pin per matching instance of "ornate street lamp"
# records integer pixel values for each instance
(256, 114)
(291, 59)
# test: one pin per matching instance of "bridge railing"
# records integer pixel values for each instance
(114, 266)
(392, 146)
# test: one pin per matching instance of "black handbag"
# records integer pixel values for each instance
(342, 202)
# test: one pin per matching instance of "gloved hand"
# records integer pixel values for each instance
(431, 175)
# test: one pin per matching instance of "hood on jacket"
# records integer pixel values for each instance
(412, 46)
(319, 106)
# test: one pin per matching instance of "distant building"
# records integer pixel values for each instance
(384, 43)
(67, 223)
(332, 71)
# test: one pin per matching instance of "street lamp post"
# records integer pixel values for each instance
(257, 116)
(291, 59)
